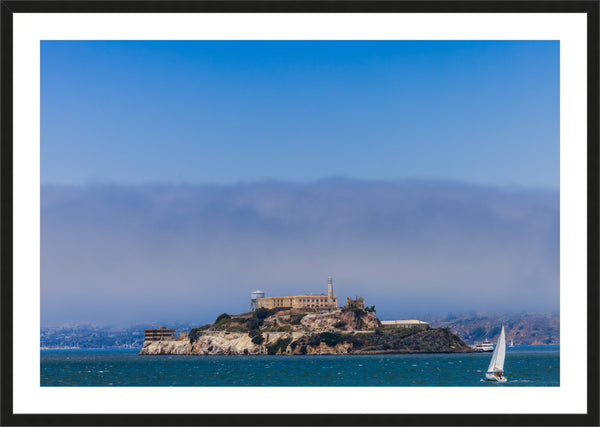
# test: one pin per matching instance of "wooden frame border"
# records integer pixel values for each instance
(8, 8)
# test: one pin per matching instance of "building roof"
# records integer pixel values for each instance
(304, 296)
(405, 322)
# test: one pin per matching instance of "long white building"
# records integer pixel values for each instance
(404, 324)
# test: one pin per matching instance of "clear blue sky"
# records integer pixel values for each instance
(224, 112)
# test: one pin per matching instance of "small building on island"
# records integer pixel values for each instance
(358, 303)
(404, 324)
(161, 334)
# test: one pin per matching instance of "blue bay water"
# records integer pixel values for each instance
(524, 366)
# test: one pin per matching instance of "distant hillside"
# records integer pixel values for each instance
(523, 328)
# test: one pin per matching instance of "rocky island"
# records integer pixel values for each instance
(305, 332)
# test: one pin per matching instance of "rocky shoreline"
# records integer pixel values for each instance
(301, 333)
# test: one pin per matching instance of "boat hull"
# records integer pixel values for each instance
(492, 376)
(483, 347)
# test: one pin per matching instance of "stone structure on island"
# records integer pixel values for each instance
(321, 301)
(357, 303)
(161, 334)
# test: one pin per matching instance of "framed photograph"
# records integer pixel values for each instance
(300, 213)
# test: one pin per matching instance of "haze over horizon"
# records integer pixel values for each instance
(178, 177)
(177, 252)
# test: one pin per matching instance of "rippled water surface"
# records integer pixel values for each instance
(524, 366)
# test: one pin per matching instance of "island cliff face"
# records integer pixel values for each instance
(295, 332)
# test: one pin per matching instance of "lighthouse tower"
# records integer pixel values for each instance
(330, 292)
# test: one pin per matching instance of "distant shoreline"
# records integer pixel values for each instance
(351, 354)
(374, 353)
(90, 348)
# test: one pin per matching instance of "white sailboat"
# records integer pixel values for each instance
(495, 371)
(512, 344)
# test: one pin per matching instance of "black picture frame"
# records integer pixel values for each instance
(9, 8)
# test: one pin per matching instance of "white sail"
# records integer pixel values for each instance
(497, 362)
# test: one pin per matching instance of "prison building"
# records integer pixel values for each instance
(404, 324)
(298, 301)
(322, 301)
(162, 334)
(358, 303)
